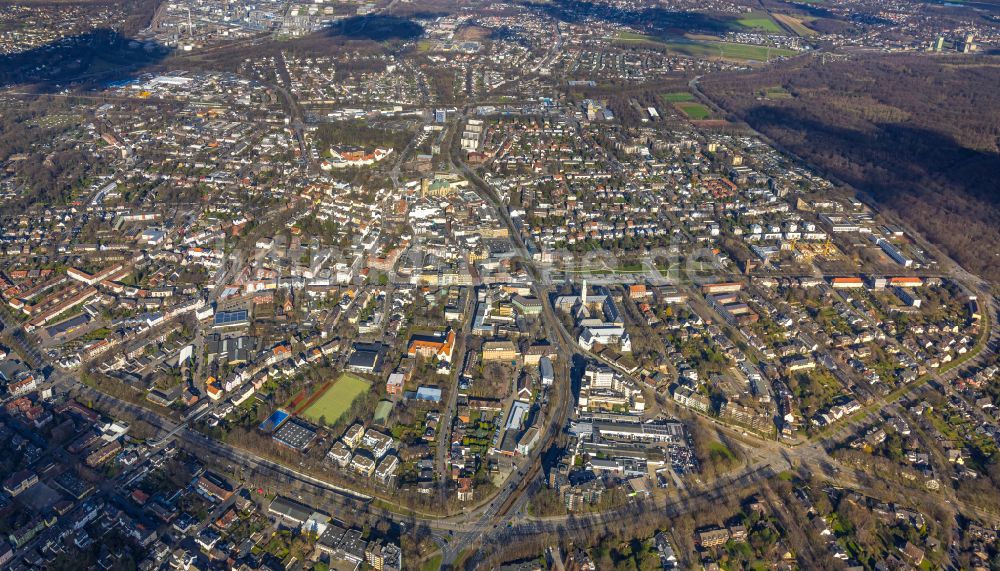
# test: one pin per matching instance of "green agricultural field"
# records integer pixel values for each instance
(677, 97)
(709, 48)
(728, 50)
(694, 111)
(760, 21)
(337, 399)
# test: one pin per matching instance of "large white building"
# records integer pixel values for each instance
(604, 389)
(598, 316)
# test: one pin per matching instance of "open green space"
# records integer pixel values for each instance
(777, 92)
(729, 50)
(333, 403)
(432, 564)
(635, 37)
(721, 451)
(710, 48)
(677, 97)
(694, 111)
(760, 21)
(382, 411)
(630, 267)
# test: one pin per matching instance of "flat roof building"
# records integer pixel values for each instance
(295, 434)
(289, 510)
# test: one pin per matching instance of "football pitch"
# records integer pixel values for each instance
(694, 111)
(334, 401)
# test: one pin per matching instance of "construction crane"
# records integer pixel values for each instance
(805, 254)
(828, 249)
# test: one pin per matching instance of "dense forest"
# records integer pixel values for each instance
(97, 54)
(359, 134)
(920, 134)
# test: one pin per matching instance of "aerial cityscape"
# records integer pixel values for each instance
(522, 285)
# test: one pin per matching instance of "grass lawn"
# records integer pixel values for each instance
(337, 399)
(702, 48)
(694, 111)
(727, 50)
(720, 449)
(748, 52)
(432, 564)
(777, 93)
(634, 37)
(677, 97)
(760, 21)
(943, 426)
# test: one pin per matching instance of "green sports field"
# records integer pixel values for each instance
(677, 96)
(777, 92)
(333, 403)
(695, 111)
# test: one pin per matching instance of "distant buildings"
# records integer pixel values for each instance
(340, 158)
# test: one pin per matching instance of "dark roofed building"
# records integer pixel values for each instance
(352, 547)
(233, 350)
(289, 510)
(329, 542)
(366, 357)
(295, 434)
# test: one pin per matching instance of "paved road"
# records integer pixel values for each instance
(511, 497)
(448, 412)
(488, 522)
(773, 454)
